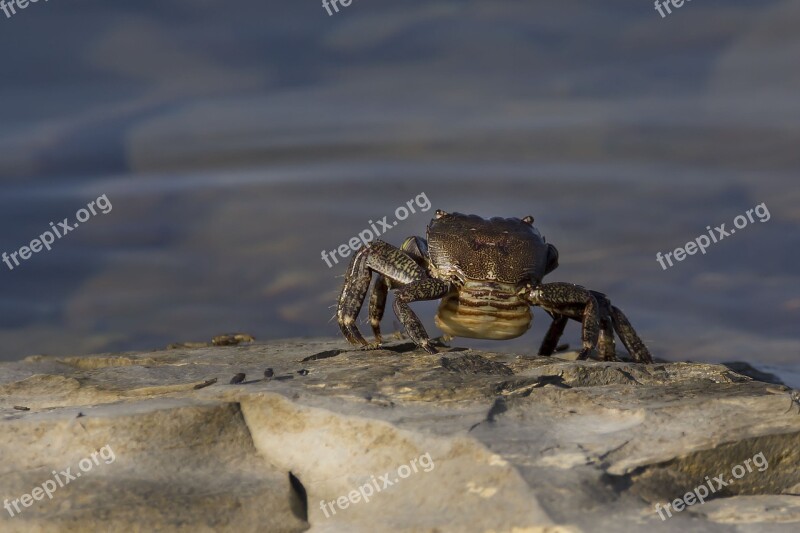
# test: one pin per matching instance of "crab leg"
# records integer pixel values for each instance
(417, 248)
(553, 335)
(377, 304)
(606, 347)
(354, 290)
(611, 319)
(569, 299)
(605, 343)
(400, 270)
(426, 289)
(629, 338)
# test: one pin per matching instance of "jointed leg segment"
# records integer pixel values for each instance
(397, 269)
(553, 335)
(427, 289)
(610, 320)
(572, 301)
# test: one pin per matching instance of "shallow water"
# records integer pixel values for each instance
(236, 143)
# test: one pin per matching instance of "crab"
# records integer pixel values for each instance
(487, 273)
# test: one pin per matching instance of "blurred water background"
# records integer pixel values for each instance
(237, 140)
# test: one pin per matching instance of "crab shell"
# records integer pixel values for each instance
(488, 262)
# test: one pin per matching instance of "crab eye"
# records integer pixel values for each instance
(528, 220)
(440, 214)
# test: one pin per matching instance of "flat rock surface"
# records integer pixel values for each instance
(392, 439)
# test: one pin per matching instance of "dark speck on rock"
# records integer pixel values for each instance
(238, 378)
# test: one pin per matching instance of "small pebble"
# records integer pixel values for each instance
(21, 408)
(231, 339)
(238, 378)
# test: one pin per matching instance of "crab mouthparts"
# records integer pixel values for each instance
(484, 310)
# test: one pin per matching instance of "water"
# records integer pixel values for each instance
(237, 141)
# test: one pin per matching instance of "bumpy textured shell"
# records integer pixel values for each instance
(468, 247)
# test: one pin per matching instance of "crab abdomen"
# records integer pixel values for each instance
(484, 310)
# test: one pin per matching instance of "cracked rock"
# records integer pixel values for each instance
(391, 440)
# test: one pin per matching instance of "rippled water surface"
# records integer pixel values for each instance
(236, 141)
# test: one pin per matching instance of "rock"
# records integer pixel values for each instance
(750, 371)
(391, 439)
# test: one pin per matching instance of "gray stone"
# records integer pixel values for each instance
(470, 440)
